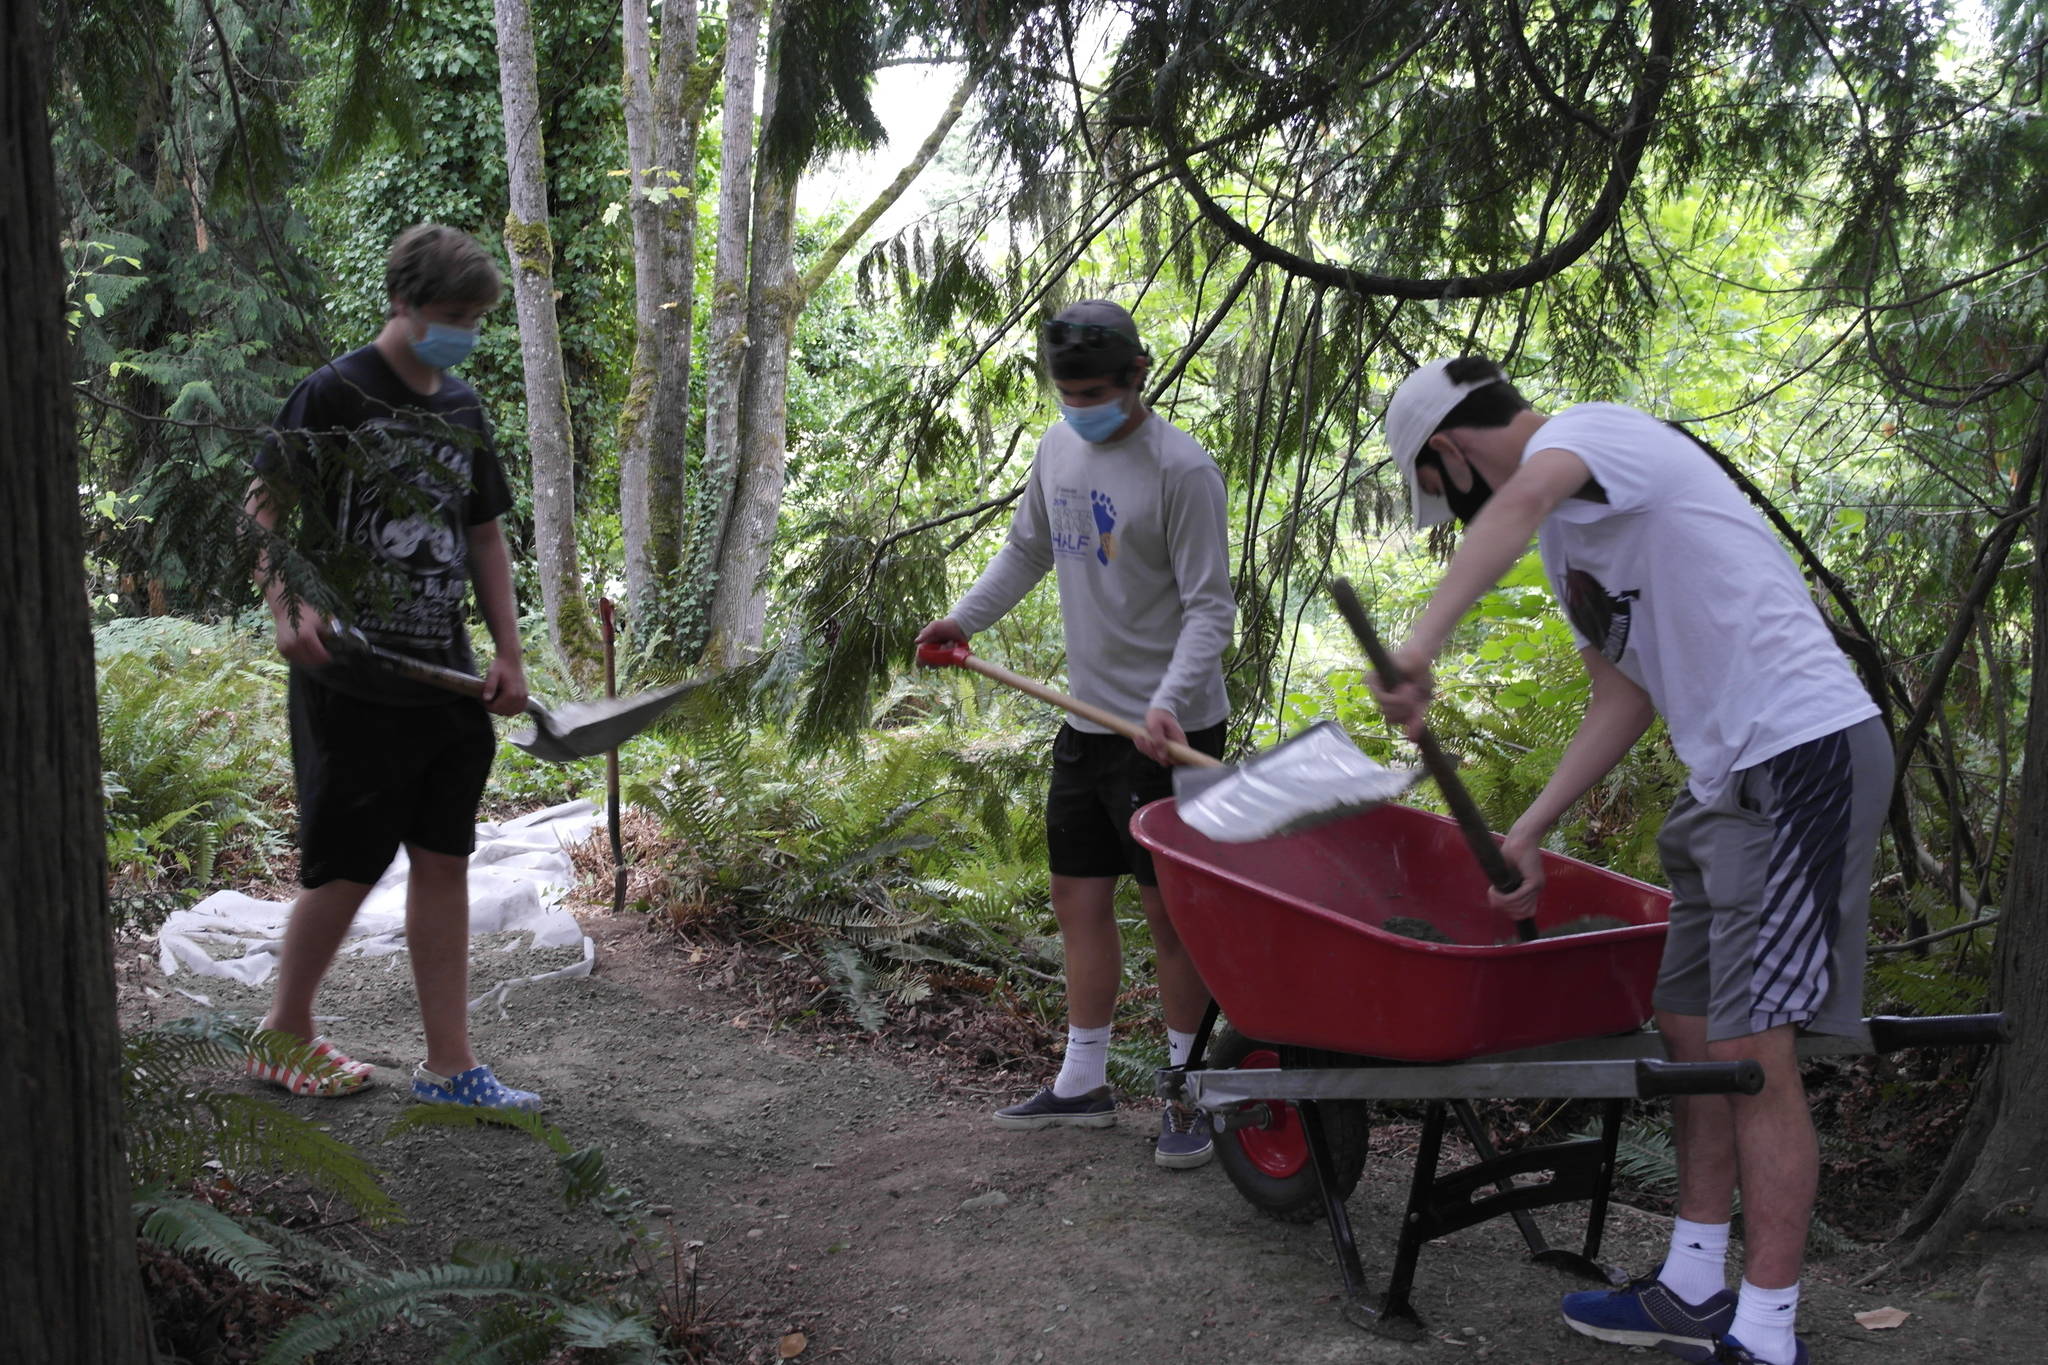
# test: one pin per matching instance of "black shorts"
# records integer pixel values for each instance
(1098, 783)
(372, 777)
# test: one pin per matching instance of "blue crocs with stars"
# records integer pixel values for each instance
(476, 1087)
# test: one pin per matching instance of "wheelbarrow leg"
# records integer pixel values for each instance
(1596, 1211)
(1540, 1250)
(1311, 1113)
(1396, 1307)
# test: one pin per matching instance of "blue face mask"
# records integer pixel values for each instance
(1096, 423)
(444, 347)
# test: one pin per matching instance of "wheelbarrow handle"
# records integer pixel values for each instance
(1466, 811)
(955, 654)
(1655, 1078)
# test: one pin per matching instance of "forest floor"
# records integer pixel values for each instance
(854, 1203)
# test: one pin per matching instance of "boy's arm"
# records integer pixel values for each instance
(490, 568)
(297, 625)
(1497, 538)
(1616, 717)
(1197, 517)
(1024, 559)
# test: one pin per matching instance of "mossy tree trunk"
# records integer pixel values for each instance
(727, 347)
(530, 247)
(1995, 1169)
(664, 117)
(68, 1273)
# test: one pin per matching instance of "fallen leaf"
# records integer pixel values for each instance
(1878, 1319)
(792, 1346)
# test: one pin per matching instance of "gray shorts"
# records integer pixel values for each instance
(1770, 888)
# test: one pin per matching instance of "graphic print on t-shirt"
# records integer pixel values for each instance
(1105, 523)
(1072, 522)
(1599, 615)
(405, 511)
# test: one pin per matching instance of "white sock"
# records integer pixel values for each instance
(1086, 1067)
(1178, 1046)
(1764, 1319)
(1695, 1267)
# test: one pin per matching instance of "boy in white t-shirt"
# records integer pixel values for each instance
(1684, 605)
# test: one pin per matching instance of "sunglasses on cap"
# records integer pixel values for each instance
(1084, 336)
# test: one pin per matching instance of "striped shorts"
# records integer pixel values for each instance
(1770, 888)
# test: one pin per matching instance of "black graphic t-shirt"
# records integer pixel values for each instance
(387, 484)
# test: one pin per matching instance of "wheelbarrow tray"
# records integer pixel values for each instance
(1287, 934)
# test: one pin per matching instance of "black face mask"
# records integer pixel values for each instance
(1464, 503)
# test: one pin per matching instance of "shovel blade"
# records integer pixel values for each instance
(584, 729)
(1317, 776)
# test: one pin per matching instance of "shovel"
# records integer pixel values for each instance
(1316, 776)
(1471, 823)
(580, 729)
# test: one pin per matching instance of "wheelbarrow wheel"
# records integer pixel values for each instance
(1270, 1164)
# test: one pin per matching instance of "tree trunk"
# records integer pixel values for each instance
(682, 92)
(68, 1276)
(777, 297)
(739, 600)
(726, 354)
(1996, 1166)
(636, 418)
(531, 250)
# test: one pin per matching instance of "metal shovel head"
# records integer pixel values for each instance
(582, 729)
(1315, 777)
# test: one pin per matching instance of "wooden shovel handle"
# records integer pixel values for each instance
(351, 642)
(954, 654)
(1471, 823)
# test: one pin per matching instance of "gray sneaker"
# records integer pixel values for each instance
(1091, 1109)
(1183, 1139)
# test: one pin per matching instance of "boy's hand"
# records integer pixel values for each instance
(505, 686)
(1524, 854)
(1407, 705)
(943, 631)
(1160, 726)
(298, 639)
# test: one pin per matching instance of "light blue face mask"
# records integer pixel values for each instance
(444, 347)
(1097, 422)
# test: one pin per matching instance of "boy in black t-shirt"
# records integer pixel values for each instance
(382, 461)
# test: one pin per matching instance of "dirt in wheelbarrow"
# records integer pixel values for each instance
(855, 1204)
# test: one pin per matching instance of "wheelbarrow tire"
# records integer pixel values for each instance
(1270, 1166)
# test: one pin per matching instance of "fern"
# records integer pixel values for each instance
(190, 1227)
(174, 1127)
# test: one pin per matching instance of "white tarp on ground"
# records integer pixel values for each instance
(517, 879)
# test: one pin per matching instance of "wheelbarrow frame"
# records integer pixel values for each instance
(1612, 1069)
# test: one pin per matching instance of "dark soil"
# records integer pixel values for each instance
(845, 1187)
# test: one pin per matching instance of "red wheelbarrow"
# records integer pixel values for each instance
(1329, 1010)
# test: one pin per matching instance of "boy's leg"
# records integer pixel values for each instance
(1086, 910)
(437, 935)
(1777, 1157)
(1182, 996)
(320, 920)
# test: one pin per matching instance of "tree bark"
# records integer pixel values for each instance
(725, 354)
(68, 1275)
(531, 249)
(1995, 1167)
(636, 418)
(682, 92)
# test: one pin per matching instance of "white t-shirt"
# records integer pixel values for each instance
(1679, 582)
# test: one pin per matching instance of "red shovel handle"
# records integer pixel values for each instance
(943, 654)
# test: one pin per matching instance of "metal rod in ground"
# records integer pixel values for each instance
(1470, 821)
(611, 766)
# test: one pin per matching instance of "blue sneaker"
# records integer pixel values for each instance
(1645, 1313)
(476, 1087)
(1183, 1139)
(1091, 1109)
(1733, 1352)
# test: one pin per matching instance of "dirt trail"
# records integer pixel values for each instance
(830, 1178)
